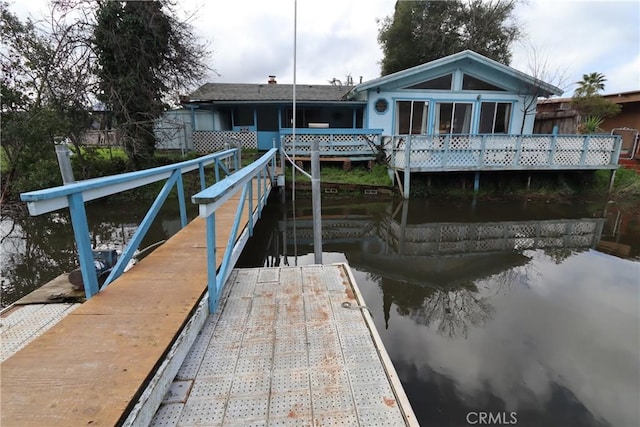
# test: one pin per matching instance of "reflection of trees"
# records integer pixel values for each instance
(452, 312)
(37, 249)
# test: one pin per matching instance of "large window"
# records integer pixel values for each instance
(453, 117)
(411, 117)
(494, 117)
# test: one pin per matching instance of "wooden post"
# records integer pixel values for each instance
(476, 183)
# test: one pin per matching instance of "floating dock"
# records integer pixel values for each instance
(289, 346)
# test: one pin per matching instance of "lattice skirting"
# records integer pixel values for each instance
(205, 142)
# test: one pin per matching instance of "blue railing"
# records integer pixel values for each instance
(261, 175)
(75, 195)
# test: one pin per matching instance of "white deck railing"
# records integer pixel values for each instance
(440, 153)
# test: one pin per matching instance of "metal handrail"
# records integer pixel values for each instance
(211, 198)
(75, 195)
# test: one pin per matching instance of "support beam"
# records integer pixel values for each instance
(476, 183)
(315, 201)
(612, 180)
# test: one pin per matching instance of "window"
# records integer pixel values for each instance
(453, 117)
(494, 117)
(442, 82)
(411, 117)
(472, 83)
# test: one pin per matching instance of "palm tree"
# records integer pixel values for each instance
(590, 84)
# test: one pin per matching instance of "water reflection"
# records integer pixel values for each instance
(497, 308)
(35, 250)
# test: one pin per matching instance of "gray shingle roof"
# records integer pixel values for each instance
(267, 92)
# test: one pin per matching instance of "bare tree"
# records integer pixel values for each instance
(543, 72)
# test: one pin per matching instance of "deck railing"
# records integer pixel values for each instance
(360, 144)
(75, 195)
(440, 153)
(207, 141)
(262, 173)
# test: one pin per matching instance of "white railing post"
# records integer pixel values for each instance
(407, 167)
(315, 197)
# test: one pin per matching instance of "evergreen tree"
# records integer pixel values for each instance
(143, 53)
(421, 31)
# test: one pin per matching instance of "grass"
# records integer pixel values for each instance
(625, 186)
(333, 174)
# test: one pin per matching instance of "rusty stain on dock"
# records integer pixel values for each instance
(285, 349)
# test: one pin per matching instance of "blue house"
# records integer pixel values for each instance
(463, 112)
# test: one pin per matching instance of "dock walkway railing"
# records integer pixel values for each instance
(75, 195)
(440, 153)
(262, 173)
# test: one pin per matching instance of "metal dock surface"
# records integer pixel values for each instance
(24, 324)
(290, 346)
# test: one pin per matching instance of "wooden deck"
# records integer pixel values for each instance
(90, 368)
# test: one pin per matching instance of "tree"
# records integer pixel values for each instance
(45, 85)
(592, 107)
(421, 31)
(540, 69)
(143, 54)
(590, 85)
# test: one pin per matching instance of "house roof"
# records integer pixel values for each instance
(616, 98)
(238, 92)
(460, 59)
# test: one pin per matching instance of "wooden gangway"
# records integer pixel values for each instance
(90, 368)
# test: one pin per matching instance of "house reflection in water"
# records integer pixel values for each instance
(429, 270)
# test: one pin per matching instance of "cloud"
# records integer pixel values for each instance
(583, 37)
(565, 329)
(252, 39)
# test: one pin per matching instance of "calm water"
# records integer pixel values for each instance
(499, 308)
(35, 250)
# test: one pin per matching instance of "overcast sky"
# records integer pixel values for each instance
(251, 39)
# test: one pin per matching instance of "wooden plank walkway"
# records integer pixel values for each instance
(90, 368)
(288, 346)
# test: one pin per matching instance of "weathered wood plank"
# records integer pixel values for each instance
(90, 368)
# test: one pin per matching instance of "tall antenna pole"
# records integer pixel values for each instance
(293, 133)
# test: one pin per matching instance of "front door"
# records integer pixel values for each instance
(268, 129)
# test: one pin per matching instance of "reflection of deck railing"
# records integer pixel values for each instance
(427, 153)
(461, 238)
(451, 238)
(338, 230)
(358, 144)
